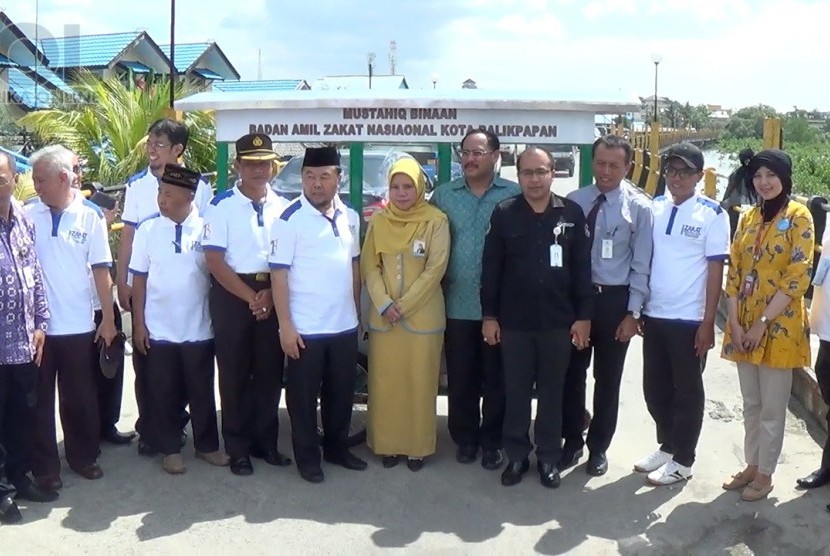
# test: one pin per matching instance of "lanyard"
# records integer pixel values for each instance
(762, 234)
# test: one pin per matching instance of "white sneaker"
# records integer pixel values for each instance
(669, 474)
(652, 462)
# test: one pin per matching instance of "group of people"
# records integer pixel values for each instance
(519, 287)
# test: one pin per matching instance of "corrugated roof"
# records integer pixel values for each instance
(262, 85)
(137, 67)
(360, 82)
(186, 53)
(28, 93)
(86, 50)
(6, 63)
(208, 74)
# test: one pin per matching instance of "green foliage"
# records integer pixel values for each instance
(799, 130)
(748, 123)
(811, 162)
(108, 128)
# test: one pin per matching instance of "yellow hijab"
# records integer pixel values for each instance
(395, 229)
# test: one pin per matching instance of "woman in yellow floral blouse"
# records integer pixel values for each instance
(767, 332)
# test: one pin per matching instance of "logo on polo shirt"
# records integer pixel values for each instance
(206, 231)
(274, 243)
(78, 236)
(690, 231)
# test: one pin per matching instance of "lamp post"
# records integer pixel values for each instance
(434, 80)
(172, 53)
(656, 58)
(370, 61)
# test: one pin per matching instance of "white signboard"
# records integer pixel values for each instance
(410, 125)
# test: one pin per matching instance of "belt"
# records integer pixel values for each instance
(257, 277)
(600, 288)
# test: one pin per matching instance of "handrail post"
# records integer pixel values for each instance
(710, 183)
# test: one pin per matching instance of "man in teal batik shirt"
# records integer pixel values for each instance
(474, 382)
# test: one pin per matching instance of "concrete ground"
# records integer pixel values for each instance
(447, 507)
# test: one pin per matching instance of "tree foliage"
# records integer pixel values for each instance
(108, 126)
(748, 123)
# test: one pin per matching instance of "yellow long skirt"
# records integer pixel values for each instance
(403, 387)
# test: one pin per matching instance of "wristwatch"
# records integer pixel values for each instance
(764, 320)
(635, 314)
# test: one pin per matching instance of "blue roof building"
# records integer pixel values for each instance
(263, 85)
(203, 63)
(108, 55)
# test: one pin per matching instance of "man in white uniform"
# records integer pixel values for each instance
(250, 360)
(71, 238)
(172, 324)
(691, 243)
(315, 246)
(166, 141)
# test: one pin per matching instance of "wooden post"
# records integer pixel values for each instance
(772, 133)
(710, 183)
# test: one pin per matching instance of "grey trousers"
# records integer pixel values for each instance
(766, 393)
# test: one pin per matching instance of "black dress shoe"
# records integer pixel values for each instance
(466, 454)
(817, 478)
(49, 482)
(597, 464)
(242, 466)
(313, 475)
(272, 457)
(145, 449)
(548, 475)
(91, 472)
(491, 459)
(9, 512)
(512, 474)
(415, 464)
(112, 436)
(569, 458)
(32, 493)
(391, 461)
(346, 459)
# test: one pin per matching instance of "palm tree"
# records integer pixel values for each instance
(107, 125)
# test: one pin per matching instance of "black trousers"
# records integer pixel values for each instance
(673, 385)
(109, 389)
(609, 361)
(18, 394)
(539, 358)
(139, 388)
(822, 369)
(175, 372)
(475, 386)
(67, 359)
(251, 363)
(326, 368)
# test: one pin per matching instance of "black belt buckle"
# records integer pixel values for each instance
(261, 277)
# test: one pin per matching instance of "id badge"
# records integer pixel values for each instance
(749, 284)
(607, 248)
(821, 271)
(419, 248)
(556, 256)
(29, 277)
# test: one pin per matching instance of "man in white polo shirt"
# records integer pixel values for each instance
(315, 245)
(166, 142)
(71, 238)
(236, 242)
(691, 243)
(172, 323)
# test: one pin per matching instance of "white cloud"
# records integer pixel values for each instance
(603, 8)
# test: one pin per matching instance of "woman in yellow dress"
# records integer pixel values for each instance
(767, 333)
(403, 261)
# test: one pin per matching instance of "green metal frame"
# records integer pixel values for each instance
(444, 162)
(356, 177)
(586, 172)
(221, 166)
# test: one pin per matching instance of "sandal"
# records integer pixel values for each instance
(738, 481)
(754, 492)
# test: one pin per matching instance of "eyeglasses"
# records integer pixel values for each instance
(684, 172)
(76, 168)
(4, 182)
(156, 146)
(538, 172)
(474, 154)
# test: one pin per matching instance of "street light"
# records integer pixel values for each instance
(656, 58)
(370, 61)
(434, 80)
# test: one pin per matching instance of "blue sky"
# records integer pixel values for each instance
(729, 52)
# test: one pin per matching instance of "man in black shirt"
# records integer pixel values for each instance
(536, 298)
